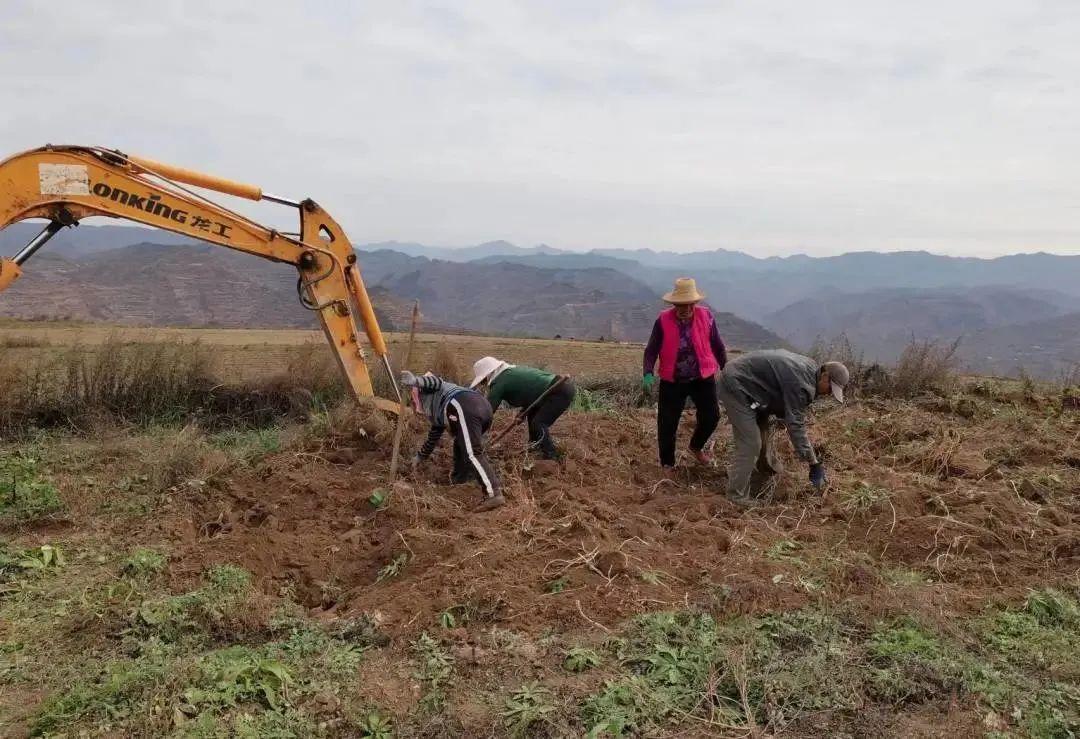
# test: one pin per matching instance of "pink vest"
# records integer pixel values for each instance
(669, 347)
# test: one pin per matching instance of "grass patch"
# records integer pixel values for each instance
(114, 694)
(591, 401)
(863, 497)
(25, 497)
(172, 618)
(248, 445)
(910, 665)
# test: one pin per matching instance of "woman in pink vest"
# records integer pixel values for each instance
(691, 352)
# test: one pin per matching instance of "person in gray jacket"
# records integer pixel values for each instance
(778, 383)
(467, 414)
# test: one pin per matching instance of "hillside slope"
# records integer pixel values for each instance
(201, 285)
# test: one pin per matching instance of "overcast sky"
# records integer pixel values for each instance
(770, 127)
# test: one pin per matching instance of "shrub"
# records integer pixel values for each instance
(924, 366)
(445, 364)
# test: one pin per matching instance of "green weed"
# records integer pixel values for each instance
(24, 496)
(1052, 608)
(143, 564)
(376, 726)
(171, 617)
(434, 670)
(393, 568)
(237, 675)
(590, 401)
(580, 660)
(529, 705)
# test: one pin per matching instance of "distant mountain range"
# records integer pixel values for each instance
(1011, 312)
(193, 284)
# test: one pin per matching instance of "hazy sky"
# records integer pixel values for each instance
(771, 127)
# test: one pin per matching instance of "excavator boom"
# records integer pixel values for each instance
(64, 184)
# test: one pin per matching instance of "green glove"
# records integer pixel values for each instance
(648, 381)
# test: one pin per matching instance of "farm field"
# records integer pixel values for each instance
(197, 572)
(244, 354)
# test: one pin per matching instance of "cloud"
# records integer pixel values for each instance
(769, 127)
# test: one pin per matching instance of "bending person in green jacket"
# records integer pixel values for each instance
(520, 387)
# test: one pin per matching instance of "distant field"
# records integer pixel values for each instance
(252, 353)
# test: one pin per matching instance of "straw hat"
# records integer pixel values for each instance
(488, 368)
(685, 292)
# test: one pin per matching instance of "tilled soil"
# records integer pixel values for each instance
(587, 542)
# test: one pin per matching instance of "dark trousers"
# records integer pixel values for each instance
(670, 402)
(541, 419)
(469, 418)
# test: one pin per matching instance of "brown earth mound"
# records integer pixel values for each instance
(598, 538)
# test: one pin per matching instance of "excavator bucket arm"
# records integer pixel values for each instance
(64, 184)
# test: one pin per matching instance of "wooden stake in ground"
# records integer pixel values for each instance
(402, 420)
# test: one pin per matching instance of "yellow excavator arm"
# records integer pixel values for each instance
(64, 184)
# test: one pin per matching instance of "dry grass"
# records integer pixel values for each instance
(446, 364)
(162, 382)
(925, 366)
(21, 342)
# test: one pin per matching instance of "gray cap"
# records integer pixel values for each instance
(838, 378)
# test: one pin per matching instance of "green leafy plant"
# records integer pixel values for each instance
(238, 674)
(528, 705)
(393, 568)
(45, 557)
(435, 667)
(580, 660)
(143, 564)
(1052, 608)
(376, 726)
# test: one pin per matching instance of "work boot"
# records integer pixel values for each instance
(552, 453)
(704, 457)
(667, 472)
(490, 504)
